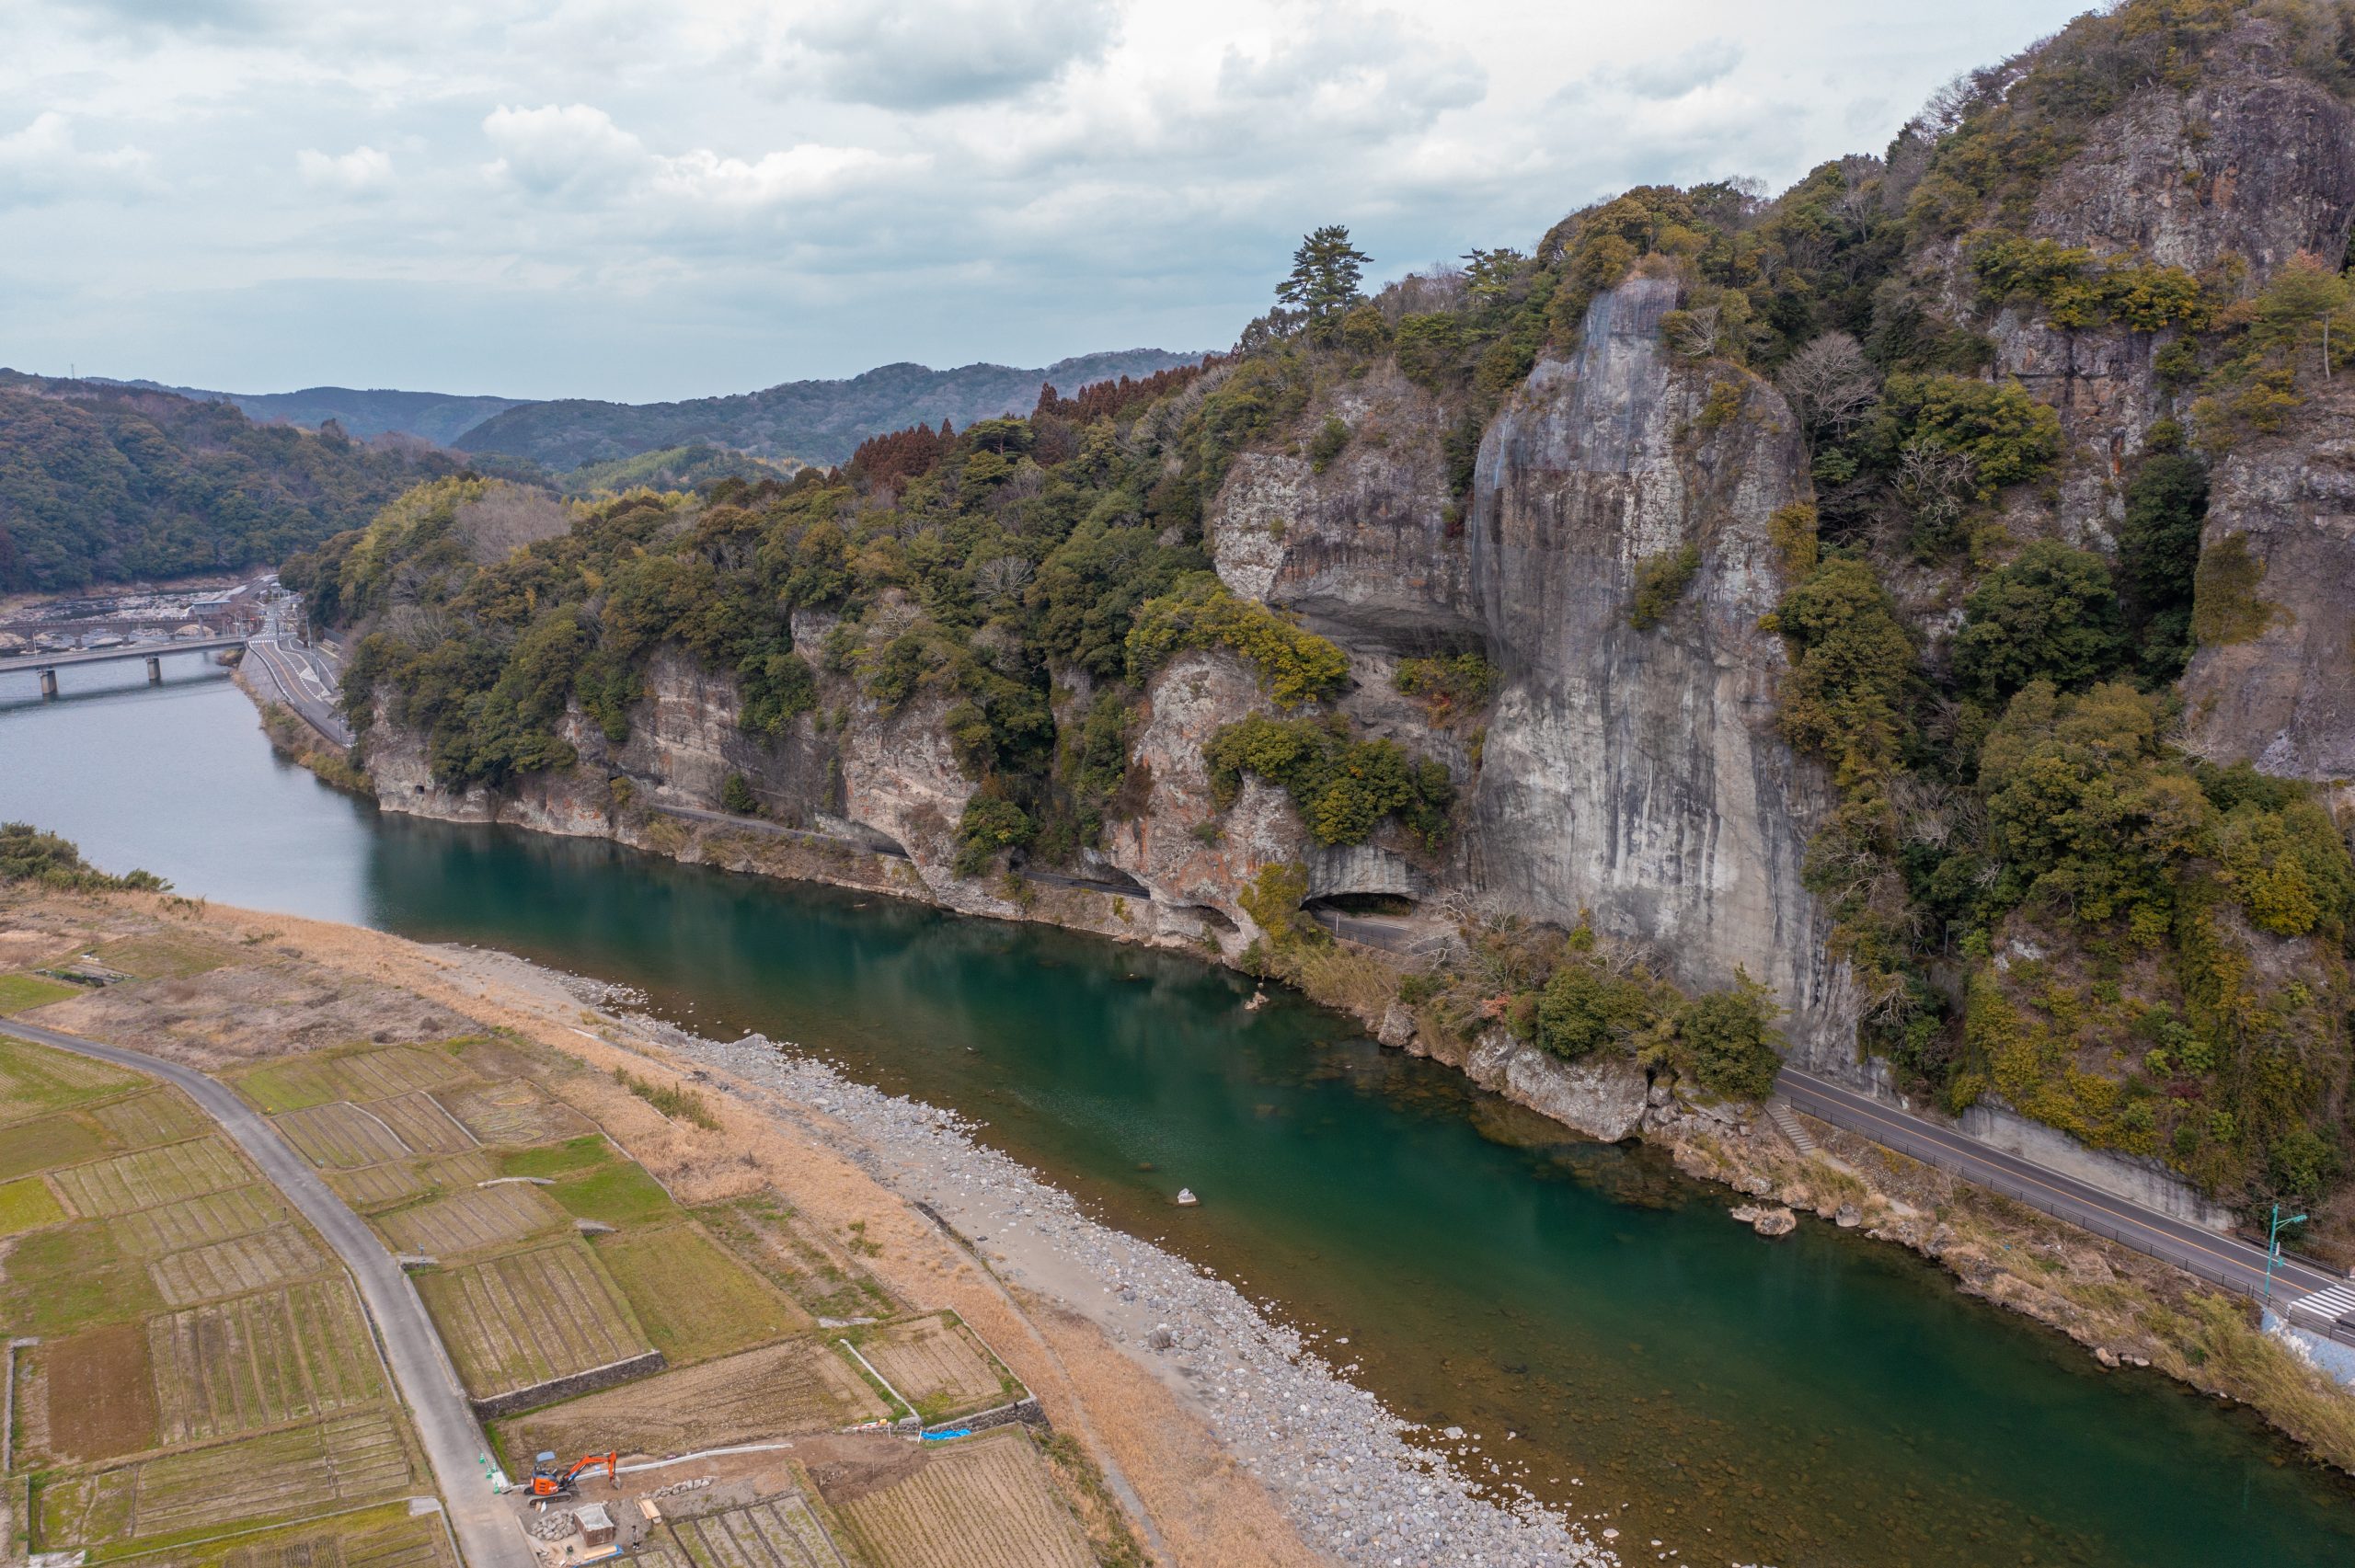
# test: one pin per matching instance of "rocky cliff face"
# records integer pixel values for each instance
(1638, 775)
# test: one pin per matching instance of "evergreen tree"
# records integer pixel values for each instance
(1325, 274)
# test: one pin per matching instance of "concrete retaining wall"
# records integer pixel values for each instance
(556, 1388)
(2132, 1177)
(1025, 1410)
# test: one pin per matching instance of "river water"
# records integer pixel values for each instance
(1819, 1402)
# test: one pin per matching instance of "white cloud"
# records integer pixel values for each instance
(43, 163)
(925, 55)
(1708, 61)
(743, 190)
(363, 171)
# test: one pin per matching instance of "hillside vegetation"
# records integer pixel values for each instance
(2039, 893)
(101, 482)
(816, 421)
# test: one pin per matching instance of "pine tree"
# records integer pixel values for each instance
(1324, 273)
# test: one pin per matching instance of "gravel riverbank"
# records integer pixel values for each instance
(1350, 1475)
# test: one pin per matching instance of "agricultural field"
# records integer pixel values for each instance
(238, 1366)
(798, 1258)
(936, 1363)
(148, 1177)
(21, 993)
(201, 1370)
(382, 1072)
(470, 1220)
(522, 1318)
(417, 1119)
(777, 1532)
(161, 955)
(696, 1300)
(199, 1221)
(983, 1502)
(341, 1136)
(373, 1188)
(342, 1462)
(513, 1111)
(802, 1385)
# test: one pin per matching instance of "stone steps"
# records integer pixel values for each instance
(1786, 1122)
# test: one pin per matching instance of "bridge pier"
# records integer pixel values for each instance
(155, 671)
(49, 682)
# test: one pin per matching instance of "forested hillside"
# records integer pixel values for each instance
(816, 421)
(1917, 604)
(100, 483)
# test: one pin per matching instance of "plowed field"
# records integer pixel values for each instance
(257, 1361)
(149, 1177)
(236, 1266)
(470, 1220)
(514, 1321)
(980, 1503)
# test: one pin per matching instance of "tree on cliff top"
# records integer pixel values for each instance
(1325, 271)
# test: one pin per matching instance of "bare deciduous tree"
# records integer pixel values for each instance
(1936, 483)
(1696, 334)
(1830, 384)
(1002, 577)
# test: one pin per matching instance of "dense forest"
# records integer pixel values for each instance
(2042, 894)
(100, 483)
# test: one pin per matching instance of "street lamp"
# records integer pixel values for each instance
(2274, 1246)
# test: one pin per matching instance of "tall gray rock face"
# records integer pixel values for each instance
(1638, 775)
(2257, 161)
(2284, 696)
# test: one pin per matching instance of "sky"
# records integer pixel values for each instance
(642, 200)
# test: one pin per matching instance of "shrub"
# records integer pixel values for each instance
(1343, 788)
(990, 827)
(1448, 688)
(2225, 608)
(1728, 1041)
(1328, 443)
(2009, 436)
(1584, 1008)
(1430, 349)
(2050, 614)
(27, 854)
(1272, 900)
(1660, 581)
(737, 796)
(675, 1100)
(1297, 666)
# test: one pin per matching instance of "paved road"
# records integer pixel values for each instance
(2228, 1261)
(804, 835)
(306, 680)
(487, 1531)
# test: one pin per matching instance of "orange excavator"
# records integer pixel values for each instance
(548, 1480)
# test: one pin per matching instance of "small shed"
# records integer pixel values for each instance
(596, 1525)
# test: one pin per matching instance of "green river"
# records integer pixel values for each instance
(1814, 1401)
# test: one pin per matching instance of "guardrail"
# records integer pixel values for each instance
(2150, 1243)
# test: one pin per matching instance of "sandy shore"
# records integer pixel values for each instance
(1227, 1438)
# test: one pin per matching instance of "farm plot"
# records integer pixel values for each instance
(27, 1204)
(257, 1361)
(777, 1532)
(420, 1121)
(43, 1145)
(470, 1220)
(521, 1319)
(803, 1385)
(378, 1074)
(373, 1187)
(164, 956)
(143, 1120)
(34, 1081)
(95, 1391)
(513, 1111)
(385, 1536)
(22, 993)
(236, 1266)
(148, 1177)
(341, 1136)
(199, 1221)
(347, 1461)
(696, 1300)
(981, 1503)
(797, 1257)
(934, 1361)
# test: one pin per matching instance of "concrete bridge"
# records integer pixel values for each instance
(47, 664)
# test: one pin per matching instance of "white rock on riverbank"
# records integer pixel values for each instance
(1341, 1465)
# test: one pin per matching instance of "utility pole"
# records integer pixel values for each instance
(2273, 1247)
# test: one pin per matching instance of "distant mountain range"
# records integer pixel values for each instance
(817, 421)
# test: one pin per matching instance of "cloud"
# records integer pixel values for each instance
(43, 162)
(550, 150)
(926, 55)
(363, 171)
(576, 153)
(1709, 60)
